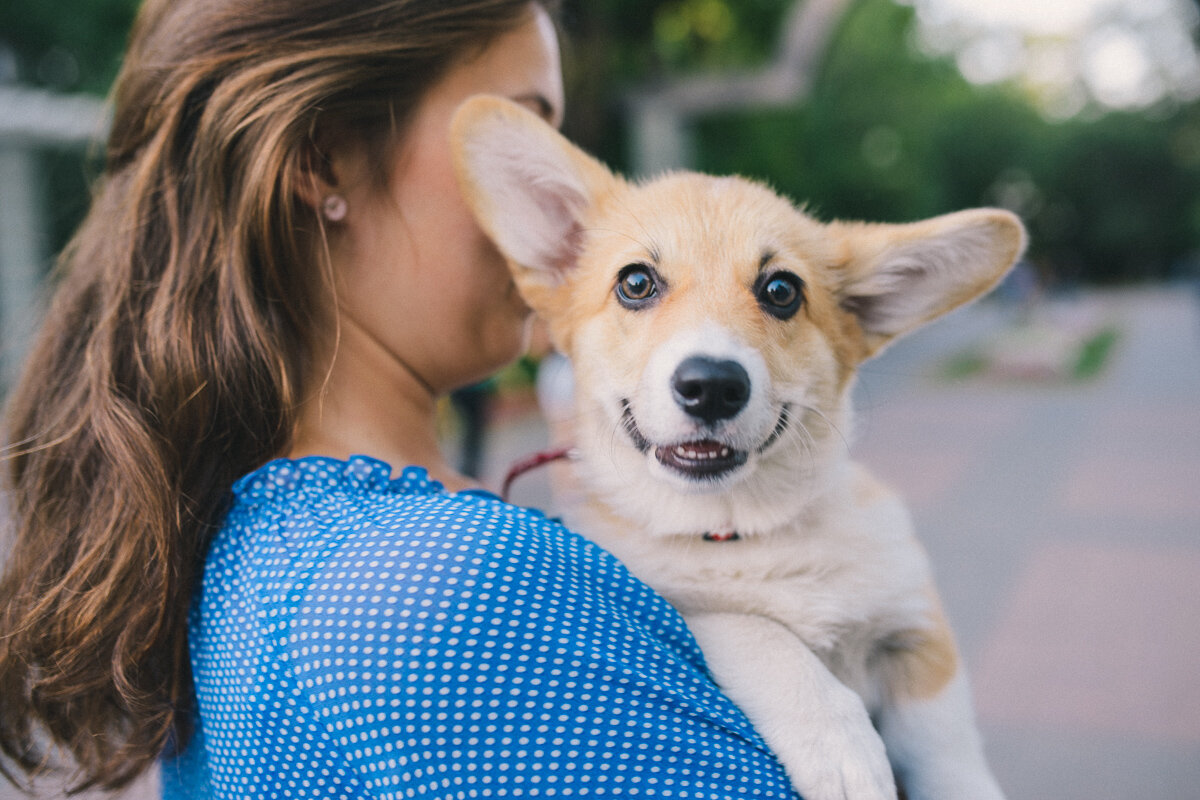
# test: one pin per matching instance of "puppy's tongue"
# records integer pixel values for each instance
(703, 458)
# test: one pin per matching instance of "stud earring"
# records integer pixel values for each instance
(334, 208)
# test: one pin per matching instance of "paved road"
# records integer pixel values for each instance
(1063, 520)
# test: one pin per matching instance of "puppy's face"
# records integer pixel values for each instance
(703, 333)
(712, 326)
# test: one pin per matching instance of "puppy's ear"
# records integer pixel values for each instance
(898, 277)
(528, 187)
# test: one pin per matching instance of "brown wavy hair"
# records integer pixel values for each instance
(175, 345)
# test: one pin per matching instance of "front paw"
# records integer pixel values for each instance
(845, 773)
(840, 757)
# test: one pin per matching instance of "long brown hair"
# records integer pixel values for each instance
(173, 351)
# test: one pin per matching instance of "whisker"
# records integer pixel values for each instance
(649, 247)
(653, 250)
(630, 426)
(804, 443)
(834, 428)
(780, 426)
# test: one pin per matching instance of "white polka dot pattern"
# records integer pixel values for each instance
(362, 636)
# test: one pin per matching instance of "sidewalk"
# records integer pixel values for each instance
(1063, 520)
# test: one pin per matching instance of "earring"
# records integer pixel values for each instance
(334, 208)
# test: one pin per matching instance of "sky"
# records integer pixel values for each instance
(1070, 54)
(1046, 16)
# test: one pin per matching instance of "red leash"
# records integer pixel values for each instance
(546, 456)
(533, 462)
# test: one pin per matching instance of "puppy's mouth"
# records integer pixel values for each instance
(700, 459)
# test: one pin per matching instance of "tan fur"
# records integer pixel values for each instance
(921, 662)
(822, 615)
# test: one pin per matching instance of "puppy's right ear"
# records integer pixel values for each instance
(529, 188)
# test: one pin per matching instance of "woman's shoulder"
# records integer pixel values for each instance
(355, 530)
(332, 510)
(343, 555)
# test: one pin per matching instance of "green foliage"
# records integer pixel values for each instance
(68, 45)
(716, 34)
(1093, 355)
(1120, 202)
(871, 142)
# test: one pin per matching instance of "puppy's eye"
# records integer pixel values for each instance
(780, 294)
(636, 286)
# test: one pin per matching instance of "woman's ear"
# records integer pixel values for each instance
(316, 182)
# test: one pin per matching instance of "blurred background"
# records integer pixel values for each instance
(1048, 438)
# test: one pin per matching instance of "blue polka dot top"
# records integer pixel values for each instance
(362, 636)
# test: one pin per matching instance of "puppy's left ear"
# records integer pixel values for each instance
(529, 188)
(898, 277)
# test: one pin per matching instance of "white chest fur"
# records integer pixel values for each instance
(842, 578)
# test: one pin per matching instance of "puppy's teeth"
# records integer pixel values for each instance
(724, 452)
(679, 451)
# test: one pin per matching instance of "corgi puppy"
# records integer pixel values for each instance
(714, 331)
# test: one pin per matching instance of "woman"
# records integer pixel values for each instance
(230, 410)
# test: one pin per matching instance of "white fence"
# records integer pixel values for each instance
(31, 120)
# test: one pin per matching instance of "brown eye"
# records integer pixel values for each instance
(636, 286)
(780, 294)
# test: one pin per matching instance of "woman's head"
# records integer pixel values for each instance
(413, 271)
(181, 333)
(245, 104)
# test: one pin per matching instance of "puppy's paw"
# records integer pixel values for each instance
(853, 771)
(840, 756)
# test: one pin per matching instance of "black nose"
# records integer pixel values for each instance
(709, 389)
